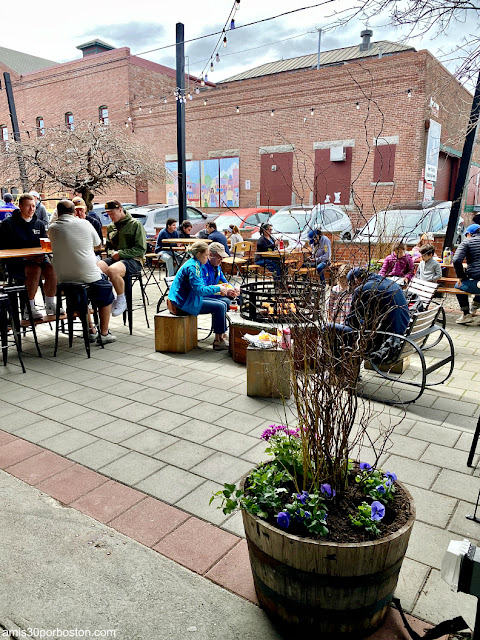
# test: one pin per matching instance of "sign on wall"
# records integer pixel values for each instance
(433, 150)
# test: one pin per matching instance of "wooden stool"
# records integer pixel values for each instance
(268, 373)
(175, 334)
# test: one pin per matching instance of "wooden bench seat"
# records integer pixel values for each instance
(175, 334)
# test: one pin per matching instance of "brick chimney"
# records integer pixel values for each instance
(94, 46)
(366, 34)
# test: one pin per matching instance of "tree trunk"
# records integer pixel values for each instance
(88, 196)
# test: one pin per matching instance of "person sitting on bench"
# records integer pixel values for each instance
(398, 265)
(428, 269)
(469, 278)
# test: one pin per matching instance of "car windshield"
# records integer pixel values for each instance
(393, 224)
(224, 222)
(292, 223)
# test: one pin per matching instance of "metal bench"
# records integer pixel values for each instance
(422, 325)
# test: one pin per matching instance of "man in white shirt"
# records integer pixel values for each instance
(73, 241)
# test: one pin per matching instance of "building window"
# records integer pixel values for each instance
(40, 125)
(4, 136)
(103, 114)
(69, 120)
(384, 163)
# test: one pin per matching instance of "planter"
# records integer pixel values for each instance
(336, 590)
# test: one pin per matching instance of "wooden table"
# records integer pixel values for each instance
(184, 241)
(281, 253)
(22, 253)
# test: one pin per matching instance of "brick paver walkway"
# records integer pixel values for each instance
(139, 440)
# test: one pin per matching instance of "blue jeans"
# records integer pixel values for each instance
(469, 286)
(321, 268)
(218, 309)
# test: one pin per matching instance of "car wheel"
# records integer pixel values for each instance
(347, 236)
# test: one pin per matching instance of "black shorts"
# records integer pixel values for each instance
(132, 266)
(101, 292)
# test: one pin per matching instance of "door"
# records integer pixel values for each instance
(276, 179)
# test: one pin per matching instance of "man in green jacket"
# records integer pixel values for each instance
(126, 246)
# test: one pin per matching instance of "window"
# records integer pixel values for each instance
(103, 114)
(69, 120)
(40, 125)
(193, 214)
(263, 217)
(4, 136)
(384, 163)
(330, 216)
(160, 217)
(251, 221)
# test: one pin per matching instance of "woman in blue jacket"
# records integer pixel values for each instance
(188, 290)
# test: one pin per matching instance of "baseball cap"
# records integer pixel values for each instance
(35, 194)
(113, 204)
(217, 247)
(473, 229)
(79, 202)
(7, 197)
(357, 272)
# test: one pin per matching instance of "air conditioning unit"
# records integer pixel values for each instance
(337, 154)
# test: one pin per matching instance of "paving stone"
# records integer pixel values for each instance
(184, 454)
(197, 502)
(41, 430)
(117, 430)
(457, 485)
(22, 394)
(16, 451)
(98, 454)
(196, 431)
(456, 406)
(410, 581)
(6, 409)
(46, 402)
(149, 521)
(257, 454)
(63, 388)
(432, 508)
(172, 370)
(247, 405)
(241, 422)
(467, 423)
(164, 420)
(178, 404)
(132, 468)
(437, 602)
(148, 395)
(6, 437)
(233, 572)
(417, 473)
(72, 483)
(85, 396)
(447, 458)
(170, 484)
(107, 501)
(405, 446)
(425, 414)
(39, 467)
(63, 411)
(17, 419)
(428, 544)
(89, 420)
(149, 441)
(206, 411)
(110, 403)
(465, 442)
(134, 411)
(232, 442)
(461, 526)
(68, 441)
(222, 468)
(434, 433)
(234, 524)
(161, 382)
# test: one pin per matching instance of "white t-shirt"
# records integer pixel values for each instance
(73, 240)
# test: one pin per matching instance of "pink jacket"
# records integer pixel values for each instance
(399, 267)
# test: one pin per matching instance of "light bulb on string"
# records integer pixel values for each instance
(165, 100)
(409, 93)
(211, 66)
(238, 109)
(150, 110)
(205, 101)
(202, 82)
(312, 111)
(272, 112)
(217, 57)
(197, 90)
(232, 25)
(237, 5)
(139, 108)
(206, 78)
(358, 105)
(129, 118)
(225, 42)
(126, 124)
(189, 95)
(304, 118)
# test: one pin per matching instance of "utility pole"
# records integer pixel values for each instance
(464, 169)
(319, 43)
(16, 132)
(181, 164)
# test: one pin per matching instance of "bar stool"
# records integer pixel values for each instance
(18, 297)
(76, 302)
(7, 320)
(130, 280)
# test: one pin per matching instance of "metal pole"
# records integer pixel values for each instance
(318, 52)
(16, 132)
(464, 169)
(182, 191)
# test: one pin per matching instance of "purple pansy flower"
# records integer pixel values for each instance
(307, 515)
(283, 519)
(302, 497)
(390, 475)
(364, 466)
(275, 429)
(378, 510)
(381, 489)
(327, 491)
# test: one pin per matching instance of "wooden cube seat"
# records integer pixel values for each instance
(175, 334)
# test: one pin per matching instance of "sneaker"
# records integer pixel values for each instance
(220, 346)
(106, 339)
(51, 309)
(466, 318)
(119, 306)
(93, 336)
(36, 314)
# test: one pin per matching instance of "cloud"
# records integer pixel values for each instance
(136, 35)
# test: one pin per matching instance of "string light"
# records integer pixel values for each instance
(126, 124)
(129, 118)
(139, 108)
(409, 93)
(225, 42)
(237, 5)
(232, 24)
(272, 112)
(211, 66)
(358, 105)
(238, 109)
(165, 100)
(202, 82)
(150, 110)
(304, 119)
(205, 101)
(312, 110)
(206, 78)
(189, 95)
(197, 90)
(217, 57)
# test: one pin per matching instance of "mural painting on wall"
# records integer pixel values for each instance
(171, 182)
(210, 183)
(210, 176)
(229, 182)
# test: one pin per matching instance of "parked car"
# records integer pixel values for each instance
(99, 211)
(407, 222)
(293, 224)
(244, 218)
(154, 216)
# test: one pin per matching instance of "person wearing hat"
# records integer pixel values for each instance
(81, 212)
(8, 208)
(213, 274)
(126, 245)
(321, 252)
(469, 278)
(40, 210)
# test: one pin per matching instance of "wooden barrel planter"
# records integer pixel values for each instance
(325, 589)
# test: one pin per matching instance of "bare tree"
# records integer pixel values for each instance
(87, 160)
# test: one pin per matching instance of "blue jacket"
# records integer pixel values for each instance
(217, 236)
(188, 289)
(163, 235)
(213, 275)
(379, 304)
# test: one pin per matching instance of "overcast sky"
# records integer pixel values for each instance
(54, 30)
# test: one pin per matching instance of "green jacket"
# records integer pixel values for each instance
(128, 238)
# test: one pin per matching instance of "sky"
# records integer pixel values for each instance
(148, 24)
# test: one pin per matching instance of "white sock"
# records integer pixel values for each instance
(32, 303)
(120, 297)
(50, 299)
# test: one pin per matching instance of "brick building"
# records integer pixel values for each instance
(353, 131)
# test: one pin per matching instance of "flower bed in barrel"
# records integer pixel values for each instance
(326, 531)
